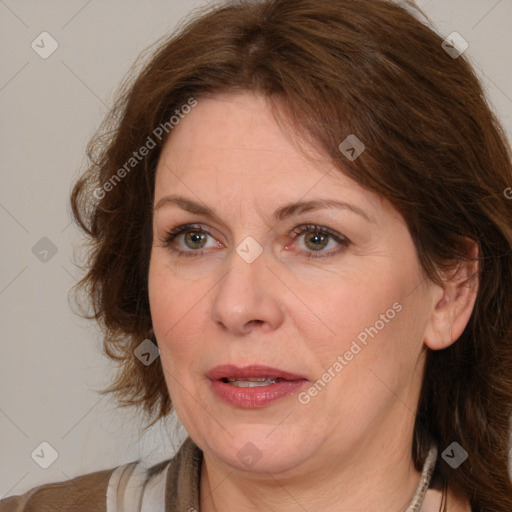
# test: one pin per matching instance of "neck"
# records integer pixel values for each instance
(357, 484)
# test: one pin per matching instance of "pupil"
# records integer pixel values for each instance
(195, 237)
(319, 240)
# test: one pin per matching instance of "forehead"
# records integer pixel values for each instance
(236, 119)
(232, 144)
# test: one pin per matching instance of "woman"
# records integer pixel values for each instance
(302, 205)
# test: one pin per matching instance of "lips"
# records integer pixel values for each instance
(267, 385)
(229, 371)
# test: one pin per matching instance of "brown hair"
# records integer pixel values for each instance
(434, 149)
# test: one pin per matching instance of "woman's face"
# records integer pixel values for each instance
(331, 294)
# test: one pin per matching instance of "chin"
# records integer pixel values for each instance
(252, 449)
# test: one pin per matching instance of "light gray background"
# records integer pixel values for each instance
(50, 360)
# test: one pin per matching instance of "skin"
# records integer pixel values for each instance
(349, 448)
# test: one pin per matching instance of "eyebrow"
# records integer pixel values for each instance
(281, 213)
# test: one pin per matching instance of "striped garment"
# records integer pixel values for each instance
(172, 485)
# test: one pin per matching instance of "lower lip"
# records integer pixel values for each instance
(252, 398)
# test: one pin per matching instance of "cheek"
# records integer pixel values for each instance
(364, 320)
(345, 305)
(178, 313)
(369, 359)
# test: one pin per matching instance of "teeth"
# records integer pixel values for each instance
(252, 382)
(250, 379)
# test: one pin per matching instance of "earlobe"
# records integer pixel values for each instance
(453, 304)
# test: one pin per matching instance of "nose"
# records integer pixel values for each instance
(248, 297)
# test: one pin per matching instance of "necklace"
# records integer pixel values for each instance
(421, 490)
(426, 475)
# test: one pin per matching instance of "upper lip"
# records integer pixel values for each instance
(229, 371)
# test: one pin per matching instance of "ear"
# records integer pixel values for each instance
(453, 303)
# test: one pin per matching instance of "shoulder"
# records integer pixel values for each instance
(131, 487)
(81, 494)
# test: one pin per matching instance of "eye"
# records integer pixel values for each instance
(317, 238)
(190, 239)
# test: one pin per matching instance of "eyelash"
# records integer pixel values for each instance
(170, 236)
